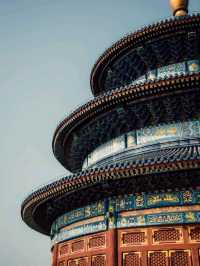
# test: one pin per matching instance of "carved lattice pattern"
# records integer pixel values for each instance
(165, 235)
(72, 263)
(64, 250)
(132, 258)
(180, 258)
(82, 262)
(195, 233)
(99, 260)
(78, 245)
(158, 258)
(62, 263)
(134, 238)
(97, 241)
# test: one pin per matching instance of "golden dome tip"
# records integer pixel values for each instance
(179, 7)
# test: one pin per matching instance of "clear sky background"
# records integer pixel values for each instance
(47, 50)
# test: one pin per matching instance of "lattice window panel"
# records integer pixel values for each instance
(180, 258)
(158, 258)
(99, 260)
(64, 250)
(194, 234)
(133, 238)
(77, 246)
(167, 235)
(72, 263)
(132, 258)
(62, 263)
(82, 262)
(97, 241)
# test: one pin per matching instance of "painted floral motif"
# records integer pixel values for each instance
(139, 201)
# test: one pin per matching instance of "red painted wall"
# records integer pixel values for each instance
(152, 246)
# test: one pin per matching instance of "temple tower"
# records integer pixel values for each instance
(133, 197)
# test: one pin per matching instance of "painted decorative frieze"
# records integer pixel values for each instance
(145, 209)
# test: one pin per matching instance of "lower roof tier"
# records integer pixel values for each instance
(121, 111)
(165, 168)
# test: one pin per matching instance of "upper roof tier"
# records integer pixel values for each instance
(164, 43)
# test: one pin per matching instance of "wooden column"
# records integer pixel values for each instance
(54, 255)
(113, 248)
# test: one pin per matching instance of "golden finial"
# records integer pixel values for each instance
(179, 7)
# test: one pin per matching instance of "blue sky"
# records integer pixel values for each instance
(47, 51)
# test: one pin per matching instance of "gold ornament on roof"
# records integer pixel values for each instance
(179, 7)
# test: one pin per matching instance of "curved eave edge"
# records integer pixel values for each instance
(92, 177)
(29, 220)
(110, 99)
(133, 39)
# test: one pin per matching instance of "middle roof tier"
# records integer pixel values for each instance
(120, 111)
